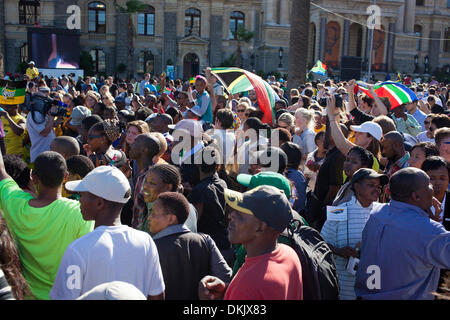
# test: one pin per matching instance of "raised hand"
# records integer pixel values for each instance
(437, 211)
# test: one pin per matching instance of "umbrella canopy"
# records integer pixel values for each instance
(237, 80)
(397, 93)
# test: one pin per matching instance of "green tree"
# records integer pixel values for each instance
(86, 63)
(298, 42)
(131, 7)
(241, 35)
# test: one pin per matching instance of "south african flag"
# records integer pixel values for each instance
(12, 92)
(236, 80)
(320, 68)
(396, 92)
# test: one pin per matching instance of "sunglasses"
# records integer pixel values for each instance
(242, 110)
(427, 122)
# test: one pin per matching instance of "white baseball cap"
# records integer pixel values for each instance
(115, 290)
(194, 127)
(106, 182)
(371, 128)
(195, 110)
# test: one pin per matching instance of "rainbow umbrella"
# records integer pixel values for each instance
(396, 92)
(236, 80)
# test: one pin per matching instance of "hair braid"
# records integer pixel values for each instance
(169, 174)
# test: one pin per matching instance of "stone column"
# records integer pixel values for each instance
(61, 13)
(215, 56)
(410, 12)
(121, 52)
(269, 11)
(433, 50)
(170, 39)
(323, 25)
(346, 39)
(400, 19)
(391, 43)
(284, 12)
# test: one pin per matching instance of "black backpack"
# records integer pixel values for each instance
(319, 275)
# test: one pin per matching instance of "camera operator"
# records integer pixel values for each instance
(40, 124)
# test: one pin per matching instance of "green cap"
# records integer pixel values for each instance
(266, 178)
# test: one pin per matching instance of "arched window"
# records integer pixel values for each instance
(146, 22)
(97, 17)
(29, 11)
(447, 40)
(237, 19)
(99, 61)
(418, 33)
(192, 20)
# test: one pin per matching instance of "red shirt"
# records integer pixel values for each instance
(273, 276)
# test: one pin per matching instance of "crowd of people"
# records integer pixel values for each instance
(164, 189)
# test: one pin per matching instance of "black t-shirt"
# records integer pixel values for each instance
(330, 173)
(210, 192)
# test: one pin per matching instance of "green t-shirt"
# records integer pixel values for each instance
(41, 234)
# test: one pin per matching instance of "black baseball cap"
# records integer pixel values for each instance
(267, 203)
(364, 173)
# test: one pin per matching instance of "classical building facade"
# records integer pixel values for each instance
(191, 35)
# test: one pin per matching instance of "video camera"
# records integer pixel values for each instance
(36, 102)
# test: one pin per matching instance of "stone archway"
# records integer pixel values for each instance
(191, 65)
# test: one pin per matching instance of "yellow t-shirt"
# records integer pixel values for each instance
(32, 72)
(321, 129)
(13, 142)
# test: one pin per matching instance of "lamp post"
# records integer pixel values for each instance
(252, 61)
(280, 55)
(371, 31)
(426, 62)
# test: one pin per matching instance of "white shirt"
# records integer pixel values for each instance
(117, 253)
(305, 141)
(226, 141)
(347, 233)
(422, 137)
(39, 143)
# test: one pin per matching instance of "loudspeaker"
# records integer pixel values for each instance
(350, 68)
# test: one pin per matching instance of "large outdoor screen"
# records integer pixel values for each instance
(54, 48)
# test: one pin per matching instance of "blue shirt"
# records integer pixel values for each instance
(408, 247)
(300, 183)
(420, 117)
(203, 102)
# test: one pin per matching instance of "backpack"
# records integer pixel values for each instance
(319, 274)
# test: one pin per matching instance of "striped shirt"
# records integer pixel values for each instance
(5, 289)
(347, 233)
